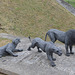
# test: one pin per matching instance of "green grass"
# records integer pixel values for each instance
(34, 17)
(72, 2)
(4, 41)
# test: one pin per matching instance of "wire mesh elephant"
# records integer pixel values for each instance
(10, 48)
(47, 47)
(65, 37)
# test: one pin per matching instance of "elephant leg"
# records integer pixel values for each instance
(71, 50)
(39, 49)
(67, 53)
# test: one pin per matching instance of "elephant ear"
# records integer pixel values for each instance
(13, 41)
(18, 39)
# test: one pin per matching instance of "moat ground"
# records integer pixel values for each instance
(34, 63)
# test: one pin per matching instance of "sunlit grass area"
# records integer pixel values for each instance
(34, 17)
(72, 2)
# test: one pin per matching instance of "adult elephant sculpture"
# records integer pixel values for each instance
(10, 48)
(65, 37)
(48, 47)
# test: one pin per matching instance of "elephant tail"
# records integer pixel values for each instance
(30, 38)
(46, 36)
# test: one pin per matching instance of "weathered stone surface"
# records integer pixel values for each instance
(34, 63)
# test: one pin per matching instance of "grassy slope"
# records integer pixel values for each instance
(4, 41)
(34, 17)
(72, 2)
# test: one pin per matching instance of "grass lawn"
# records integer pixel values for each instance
(34, 17)
(4, 41)
(72, 2)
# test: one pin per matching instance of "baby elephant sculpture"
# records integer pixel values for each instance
(69, 41)
(10, 48)
(65, 37)
(47, 47)
(55, 34)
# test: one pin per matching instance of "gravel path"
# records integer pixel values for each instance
(67, 6)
